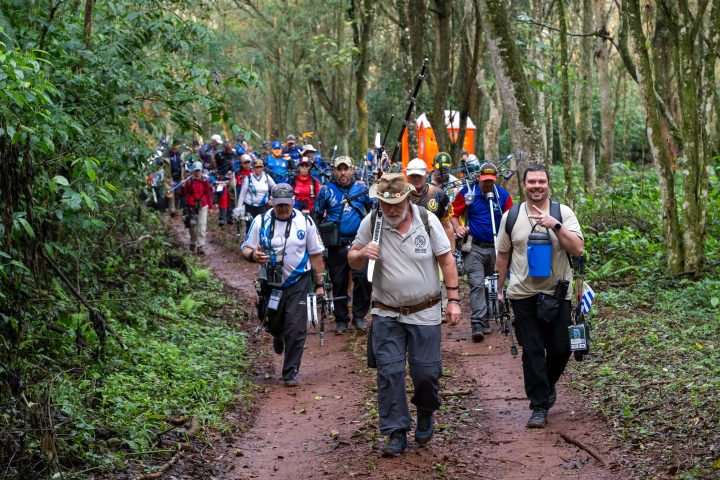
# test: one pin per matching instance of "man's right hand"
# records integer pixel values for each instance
(461, 231)
(371, 251)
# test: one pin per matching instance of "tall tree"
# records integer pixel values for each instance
(607, 110)
(361, 16)
(515, 93)
(586, 134)
(564, 113)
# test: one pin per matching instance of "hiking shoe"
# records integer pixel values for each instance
(425, 428)
(200, 251)
(291, 382)
(397, 443)
(192, 247)
(341, 328)
(278, 345)
(477, 333)
(538, 419)
(552, 398)
(360, 324)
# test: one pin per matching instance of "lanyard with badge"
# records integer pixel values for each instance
(274, 268)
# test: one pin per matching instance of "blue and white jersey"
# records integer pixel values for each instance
(294, 252)
(277, 168)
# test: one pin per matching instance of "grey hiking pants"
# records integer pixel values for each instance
(479, 262)
(392, 340)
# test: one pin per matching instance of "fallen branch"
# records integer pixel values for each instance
(180, 447)
(583, 446)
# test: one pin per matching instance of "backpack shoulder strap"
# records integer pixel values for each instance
(555, 211)
(512, 218)
(424, 217)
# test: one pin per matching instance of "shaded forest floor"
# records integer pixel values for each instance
(328, 426)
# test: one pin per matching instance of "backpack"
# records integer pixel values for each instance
(555, 212)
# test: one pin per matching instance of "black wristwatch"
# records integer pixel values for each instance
(557, 226)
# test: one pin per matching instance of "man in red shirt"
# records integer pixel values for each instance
(198, 200)
(305, 187)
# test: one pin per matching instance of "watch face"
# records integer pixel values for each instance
(558, 226)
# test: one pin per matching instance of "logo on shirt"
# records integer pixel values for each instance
(420, 244)
(432, 205)
(301, 234)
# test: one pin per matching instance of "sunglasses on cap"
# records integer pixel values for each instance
(488, 171)
(283, 192)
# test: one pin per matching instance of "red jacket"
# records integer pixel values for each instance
(197, 190)
(306, 189)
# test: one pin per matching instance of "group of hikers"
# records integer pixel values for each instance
(397, 247)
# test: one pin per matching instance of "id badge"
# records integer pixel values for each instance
(275, 297)
(578, 338)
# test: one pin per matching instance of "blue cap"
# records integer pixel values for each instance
(240, 150)
(276, 144)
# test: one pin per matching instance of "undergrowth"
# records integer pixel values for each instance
(85, 411)
(655, 374)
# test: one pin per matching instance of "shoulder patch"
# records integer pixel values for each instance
(432, 205)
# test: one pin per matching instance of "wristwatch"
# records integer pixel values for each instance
(557, 226)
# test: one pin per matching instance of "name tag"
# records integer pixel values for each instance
(275, 297)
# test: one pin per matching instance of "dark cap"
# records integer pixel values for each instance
(283, 194)
(488, 172)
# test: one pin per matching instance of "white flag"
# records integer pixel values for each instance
(587, 298)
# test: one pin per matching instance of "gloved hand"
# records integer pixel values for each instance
(239, 212)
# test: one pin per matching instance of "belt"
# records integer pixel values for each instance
(408, 310)
(483, 244)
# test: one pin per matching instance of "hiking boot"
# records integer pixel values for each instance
(425, 428)
(360, 324)
(341, 328)
(278, 345)
(477, 332)
(538, 419)
(485, 324)
(291, 382)
(192, 247)
(552, 398)
(200, 251)
(397, 443)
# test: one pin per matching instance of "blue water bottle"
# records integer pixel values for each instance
(539, 254)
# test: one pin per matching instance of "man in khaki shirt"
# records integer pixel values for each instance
(545, 344)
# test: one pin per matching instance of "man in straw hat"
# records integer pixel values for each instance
(406, 307)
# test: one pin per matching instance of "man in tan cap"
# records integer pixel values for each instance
(406, 307)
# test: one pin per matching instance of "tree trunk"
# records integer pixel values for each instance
(587, 137)
(362, 28)
(87, 23)
(659, 148)
(406, 63)
(607, 116)
(440, 73)
(564, 113)
(517, 102)
(491, 131)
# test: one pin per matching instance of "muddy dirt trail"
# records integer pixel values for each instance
(327, 427)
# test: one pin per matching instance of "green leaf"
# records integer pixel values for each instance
(26, 225)
(60, 180)
(715, 301)
(89, 201)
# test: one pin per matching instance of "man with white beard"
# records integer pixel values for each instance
(406, 307)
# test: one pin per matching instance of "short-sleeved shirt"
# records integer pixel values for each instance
(521, 284)
(406, 273)
(303, 240)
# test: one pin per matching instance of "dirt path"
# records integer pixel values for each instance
(328, 426)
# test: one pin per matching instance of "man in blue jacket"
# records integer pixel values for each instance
(277, 165)
(338, 222)
(474, 203)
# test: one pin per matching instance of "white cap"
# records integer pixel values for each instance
(216, 138)
(416, 166)
(196, 166)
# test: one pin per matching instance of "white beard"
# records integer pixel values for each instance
(397, 220)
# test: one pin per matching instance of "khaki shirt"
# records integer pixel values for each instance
(406, 273)
(521, 285)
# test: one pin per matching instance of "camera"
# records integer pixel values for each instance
(274, 275)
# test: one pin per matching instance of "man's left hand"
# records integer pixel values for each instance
(452, 313)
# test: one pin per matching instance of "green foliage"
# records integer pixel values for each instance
(655, 372)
